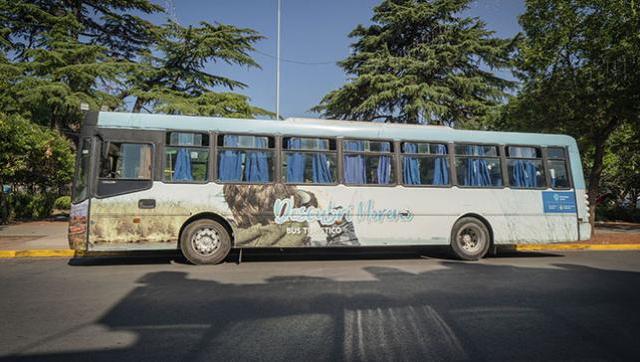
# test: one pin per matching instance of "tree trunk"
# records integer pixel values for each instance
(594, 179)
(137, 107)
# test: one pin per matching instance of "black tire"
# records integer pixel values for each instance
(470, 239)
(205, 241)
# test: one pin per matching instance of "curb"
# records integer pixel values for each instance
(575, 246)
(59, 253)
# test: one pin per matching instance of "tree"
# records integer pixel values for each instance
(421, 62)
(579, 65)
(32, 157)
(55, 55)
(172, 79)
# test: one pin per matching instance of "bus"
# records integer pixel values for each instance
(205, 185)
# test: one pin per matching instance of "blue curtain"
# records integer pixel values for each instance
(354, 167)
(320, 167)
(477, 168)
(411, 166)
(295, 162)
(230, 161)
(384, 166)
(524, 174)
(257, 167)
(182, 169)
(441, 171)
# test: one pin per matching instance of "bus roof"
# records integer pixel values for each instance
(327, 128)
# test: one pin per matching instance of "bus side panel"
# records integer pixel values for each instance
(279, 215)
(118, 223)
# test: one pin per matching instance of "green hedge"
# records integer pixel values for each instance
(25, 205)
(63, 203)
(608, 213)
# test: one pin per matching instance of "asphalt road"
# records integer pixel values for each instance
(561, 306)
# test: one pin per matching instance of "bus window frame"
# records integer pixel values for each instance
(500, 156)
(282, 151)
(448, 155)
(567, 165)
(276, 172)
(393, 154)
(542, 158)
(150, 181)
(162, 156)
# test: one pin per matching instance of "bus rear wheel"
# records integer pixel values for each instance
(205, 241)
(470, 239)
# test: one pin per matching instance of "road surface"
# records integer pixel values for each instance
(562, 306)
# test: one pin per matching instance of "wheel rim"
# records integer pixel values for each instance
(205, 241)
(471, 238)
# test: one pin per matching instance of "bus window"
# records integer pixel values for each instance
(81, 184)
(127, 161)
(368, 162)
(309, 160)
(186, 157)
(557, 166)
(425, 164)
(524, 165)
(245, 158)
(478, 165)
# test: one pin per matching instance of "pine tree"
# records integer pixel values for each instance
(173, 79)
(421, 62)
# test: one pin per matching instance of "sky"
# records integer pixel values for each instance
(312, 32)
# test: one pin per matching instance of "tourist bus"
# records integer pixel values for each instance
(205, 185)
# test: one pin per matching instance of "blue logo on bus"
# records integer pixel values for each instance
(559, 202)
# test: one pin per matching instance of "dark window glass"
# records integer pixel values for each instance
(479, 172)
(304, 166)
(478, 165)
(558, 174)
(237, 164)
(361, 167)
(127, 161)
(305, 143)
(425, 148)
(425, 170)
(524, 167)
(184, 164)
(81, 184)
(526, 174)
(556, 152)
(476, 150)
(187, 139)
(523, 152)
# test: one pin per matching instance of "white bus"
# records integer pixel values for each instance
(205, 185)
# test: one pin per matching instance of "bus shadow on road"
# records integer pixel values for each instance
(461, 311)
(297, 254)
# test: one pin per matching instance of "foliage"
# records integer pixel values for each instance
(621, 172)
(28, 205)
(173, 77)
(63, 203)
(579, 65)
(56, 55)
(33, 155)
(34, 160)
(421, 62)
(616, 213)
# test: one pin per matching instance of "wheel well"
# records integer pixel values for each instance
(211, 216)
(484, 221)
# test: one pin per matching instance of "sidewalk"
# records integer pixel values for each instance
(49, 238)
(34, 235)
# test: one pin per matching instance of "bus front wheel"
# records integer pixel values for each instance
(205, 241)
(470, 239)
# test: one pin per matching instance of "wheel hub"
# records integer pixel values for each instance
(205, 241)
(470, 239)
